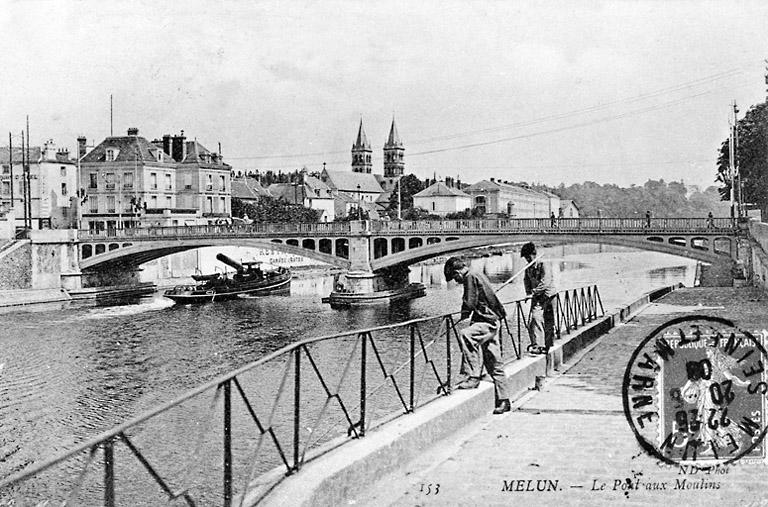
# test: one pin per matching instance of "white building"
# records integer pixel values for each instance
(496, 197)
(440, 199)
(52, 186)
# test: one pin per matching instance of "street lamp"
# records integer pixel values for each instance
(359, 210)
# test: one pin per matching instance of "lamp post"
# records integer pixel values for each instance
(399, 197)
(359, 210)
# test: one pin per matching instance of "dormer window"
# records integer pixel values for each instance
(112, 154)
(159, 155)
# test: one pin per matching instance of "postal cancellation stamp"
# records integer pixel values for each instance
(694, 393)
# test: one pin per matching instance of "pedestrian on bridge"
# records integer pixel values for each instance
(480, 340)
(540, 286)
(648, 219)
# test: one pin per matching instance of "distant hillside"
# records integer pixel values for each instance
(660, 198)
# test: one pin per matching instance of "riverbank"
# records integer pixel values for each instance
(573, 433)
(339, 473)
(449, 441)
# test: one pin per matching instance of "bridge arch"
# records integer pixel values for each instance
(140, 252)
(420, 250)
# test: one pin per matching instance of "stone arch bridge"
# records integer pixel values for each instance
(368, 248)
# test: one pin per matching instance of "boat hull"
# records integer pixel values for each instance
(346, 299)
(182, 294)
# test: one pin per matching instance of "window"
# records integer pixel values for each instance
(222, 205)
(63, 172)
(222, 183)
(109, 179)
(63, 189)
(153, 202)
(6, 187)
(92, 180)
(110, 204)
(168, 183)
(209, 183)
(187, 182)
(127, 180)
(168, 202)
(111, 154)
(6, 169)
(153, 181)
(209, 204)
(433, 205)
(93, 204)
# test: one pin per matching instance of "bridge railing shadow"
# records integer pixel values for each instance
(245, 430)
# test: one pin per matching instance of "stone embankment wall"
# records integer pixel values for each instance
(758, 232)
(16, 267)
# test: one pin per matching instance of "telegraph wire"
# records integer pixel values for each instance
(597, 107)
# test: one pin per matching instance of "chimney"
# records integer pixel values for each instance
(493, 180)
(133, 131)
(179, 147)
(81, 147)
(167, 144)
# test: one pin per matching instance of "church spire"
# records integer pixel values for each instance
(361, 152)
(394, 165)
(394, 138)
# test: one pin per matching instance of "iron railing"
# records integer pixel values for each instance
(392, 227)
(369, 376)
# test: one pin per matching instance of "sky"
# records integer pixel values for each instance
(546, 92)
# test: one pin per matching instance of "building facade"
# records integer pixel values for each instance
(52, 186)
(131, 182)
(440, 199)
(492, 197)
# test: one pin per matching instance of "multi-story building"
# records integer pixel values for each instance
(440, 199)
(496, 197)
(131, 182)
(52, 186)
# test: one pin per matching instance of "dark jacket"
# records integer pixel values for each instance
(538, 282)
(479, 300)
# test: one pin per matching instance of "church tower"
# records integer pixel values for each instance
(361, 152)
(393, 154)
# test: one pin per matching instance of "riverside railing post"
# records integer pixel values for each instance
(227, 443)
(109, 474)
(296, 408)
(449, 382)
(363, 362)
(557, 312)
(413, 365)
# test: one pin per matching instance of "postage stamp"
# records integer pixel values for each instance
(694, 392)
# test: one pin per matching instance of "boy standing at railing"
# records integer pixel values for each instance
(540, 286)
(480, 340)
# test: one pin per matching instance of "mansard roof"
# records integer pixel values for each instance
(130, 149)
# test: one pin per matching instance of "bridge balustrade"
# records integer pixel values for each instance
(479, 226)
(281, 402)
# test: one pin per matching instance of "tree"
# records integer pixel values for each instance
(752, 159)
(269, 209)
(410, 185)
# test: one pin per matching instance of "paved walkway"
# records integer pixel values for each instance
(572, 439)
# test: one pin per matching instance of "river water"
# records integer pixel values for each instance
(73, 372)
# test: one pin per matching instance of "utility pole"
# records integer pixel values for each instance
(29, 178)
(23, 179)
(739, 196)
(731, 165)
(110, 115)
(10, 165)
